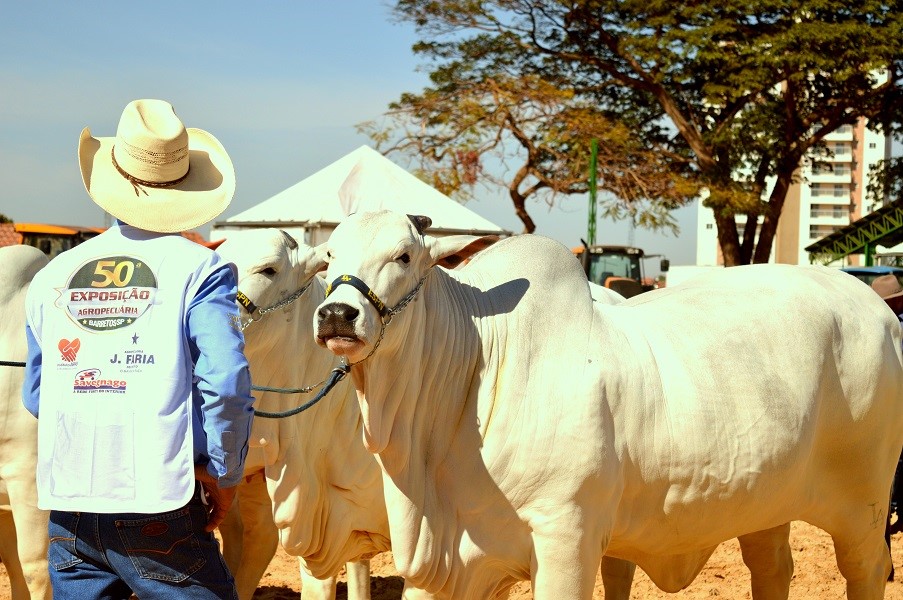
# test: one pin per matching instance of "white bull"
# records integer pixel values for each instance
(524, 431)
(326, 490)
(23, 534)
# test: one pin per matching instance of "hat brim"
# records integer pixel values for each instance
(203, 195)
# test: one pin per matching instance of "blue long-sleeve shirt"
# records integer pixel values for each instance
(222, 409)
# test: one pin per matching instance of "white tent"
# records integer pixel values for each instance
(361, 180)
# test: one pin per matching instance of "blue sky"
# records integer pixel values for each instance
(281, 84)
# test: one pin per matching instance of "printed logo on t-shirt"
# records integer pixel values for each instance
(109, 293)
(91, 380)
(132, 360)
(69, 348)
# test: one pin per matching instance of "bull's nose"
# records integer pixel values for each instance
(337, 311)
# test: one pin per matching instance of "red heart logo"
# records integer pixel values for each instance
(69, 349)
(66, 345)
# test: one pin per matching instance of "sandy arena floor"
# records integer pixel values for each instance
(815, 578)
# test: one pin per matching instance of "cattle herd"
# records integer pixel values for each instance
(503, 421)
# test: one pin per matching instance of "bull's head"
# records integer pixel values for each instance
(382, 257)
(271, 267)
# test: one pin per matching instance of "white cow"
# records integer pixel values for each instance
(326, 490)
(524, 431)
(23, 534)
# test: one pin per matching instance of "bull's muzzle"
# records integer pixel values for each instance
(336, 319)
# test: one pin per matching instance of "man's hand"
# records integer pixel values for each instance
(219, 499)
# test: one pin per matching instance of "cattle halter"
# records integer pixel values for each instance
(378, 304)
(385, 313)
(338, 373)
(253, 309)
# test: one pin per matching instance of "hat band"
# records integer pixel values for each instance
(136, 183)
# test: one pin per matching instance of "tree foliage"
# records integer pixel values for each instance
(886, 182)
(5, 219)
(720, 98)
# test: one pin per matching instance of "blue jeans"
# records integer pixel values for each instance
(157, 556)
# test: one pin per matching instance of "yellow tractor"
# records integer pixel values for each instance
(619, 268)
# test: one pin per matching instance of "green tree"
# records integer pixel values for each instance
(5, 219)
(722, 97)
(886, 182)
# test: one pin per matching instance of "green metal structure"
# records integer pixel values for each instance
(591, 224)
(883, 227)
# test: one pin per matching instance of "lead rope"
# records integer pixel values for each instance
(336, 375)
(330, 382)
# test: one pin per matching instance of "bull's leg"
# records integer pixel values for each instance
(316, 589)
(358, 580)
(31, 535)
(617, 578)
(231, 531)
(411, 593)
(10, 556)
(767, 555)
(260, 536)
(325, 589)
(888, 529)
(565, 568)
(864, 561)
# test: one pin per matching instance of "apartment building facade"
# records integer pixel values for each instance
(829, 195)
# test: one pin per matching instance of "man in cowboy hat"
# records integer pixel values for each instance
(137, 374)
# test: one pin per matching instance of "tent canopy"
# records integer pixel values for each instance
(361, 180)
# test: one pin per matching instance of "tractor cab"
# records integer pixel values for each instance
(619, 268)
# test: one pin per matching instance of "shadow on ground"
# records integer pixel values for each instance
(381, 588)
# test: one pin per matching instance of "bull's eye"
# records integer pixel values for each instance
(405, 258)
(269, 272)
(328, 255)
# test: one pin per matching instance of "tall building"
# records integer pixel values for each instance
(829, 195)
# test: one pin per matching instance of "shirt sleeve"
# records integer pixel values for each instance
(222, 380)
(31, 386)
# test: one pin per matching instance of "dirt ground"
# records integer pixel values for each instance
(815, 576)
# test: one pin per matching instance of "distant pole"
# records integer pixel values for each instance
(591, 225)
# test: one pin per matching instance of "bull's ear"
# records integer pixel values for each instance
(308, 261)
(450, 251)
(420, 222)
(321, 253)
(289, 240)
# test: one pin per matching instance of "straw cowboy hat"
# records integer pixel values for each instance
(156, 174)
(888, 287)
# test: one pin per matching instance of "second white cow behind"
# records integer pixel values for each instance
(525, 431)
(325, 491)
